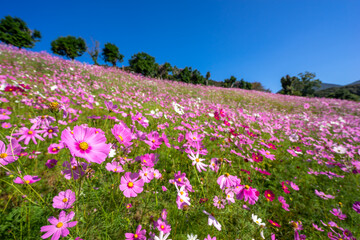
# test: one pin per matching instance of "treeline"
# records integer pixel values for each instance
(15, 31)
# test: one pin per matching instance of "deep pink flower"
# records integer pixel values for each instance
(356, 207)
(274, 223)
(270, 196)
(110, 106)
(54, 148)
(267, 154)
(285, 188)
(51, 132)
(140, 119)
(28, 179)
(248, 194)
(59, 226)
(194, 137)
(256, 157)
(162, 226)
(138, 235)
(131, 184)
(338, 213)
(9, 154)
(51, 163)
(86, 143)
(74, 169)
(4, 114)
(209, 238)
(323, 195)
(123, 134)
(154, 140)
(64, 200)
(317, 227)
(27, 134)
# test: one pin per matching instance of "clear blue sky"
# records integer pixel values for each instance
(258, 40)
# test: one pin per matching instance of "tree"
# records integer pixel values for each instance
(343, 93)
(304, 85)
(208, 75)
(143, 63)
(229, 82)
(164, 70)
(257, 86)
(185, 75)
(197, 78)
(94, 51)
(70, 47)
(15, 31)
(112, 54)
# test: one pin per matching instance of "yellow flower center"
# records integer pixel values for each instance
(121, 138)
(3, 155)
(268, 195)
(27, 181)
(153, 141)
(130, 184)
(115, 169)
(54, 149)
(30, 132)
(74, 167)
(267, 153)
(247, 186)
(181, 192)
(139, 119)
(179, 179)
(162, 227)
(135, 235)
(59, 225)
(197, 160)
(50, 130)
(181, 200)
(145, 174)
(257, 222)
(53, 105)
(194, 138)
(227, 175)
(65, 200)
(84, 146)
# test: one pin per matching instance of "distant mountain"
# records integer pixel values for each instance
(350, 92)
(354, 83)
(327, 85)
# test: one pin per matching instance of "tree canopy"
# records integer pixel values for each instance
(143, 63)
(112, 54)
(303, 85)
(70, 47)
(15, 31)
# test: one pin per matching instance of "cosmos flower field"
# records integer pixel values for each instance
(88, 152)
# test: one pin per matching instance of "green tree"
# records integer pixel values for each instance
(185, 75)
(309, 83)
(112, 54)
(290, 85)
(343, 93)
(70, 47)
(257, 86)
(229, 82)
(164, 70)
(197, 78)
(207, 77)
(15, 31)
(143, 63)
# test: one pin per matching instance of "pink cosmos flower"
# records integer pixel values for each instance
(114, 167)
(6, 125)
(43, 121)
(285, 188)
(9, 154)
(274, 223)
(230, 196)
(194, 137)
(138, 235)
(154, 141)
(54, 148)
(64, 200)
(294, 186)
(131, 184)
(267, 154)
(356, 207)
(51, 163)
(162, 226)
(86, 143)
(317, 227)
(256, 157)
(148, 160)
(51, 132)
(4, 114)
(27, 134)
(248, 194)
(283, 202)
(181, 180)
(157, 174)
(338, 213)
(214, 164)
(138, 117)
(218, 202)
(270, 196)
(212, 220)
(323, 195)
(123, 134)
(110, 106)
(59, 226)
(146, 174)
(27, 179)
(227, 180)
(164, 188)
(210, 238)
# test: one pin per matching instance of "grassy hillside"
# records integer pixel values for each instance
(291, 161)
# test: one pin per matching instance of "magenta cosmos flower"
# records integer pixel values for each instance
(140, 119)
(131, 184)
(86, 143)
(227, 180)
(248, 194)
(138, 235)
(59, 226)
(338, 213)
(356, 207)
(123, 134)
(27, 179)
(27, 134)
(51, 163)
(154, 140)
(64, 200)
(9, 154)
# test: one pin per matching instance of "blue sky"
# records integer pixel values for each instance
(258, 40)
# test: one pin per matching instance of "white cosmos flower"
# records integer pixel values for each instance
(182, 194)
(162, 237)
(197, 161)
(213, 221)
(257, 220)
(192, 237)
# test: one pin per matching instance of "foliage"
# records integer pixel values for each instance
(15, 31)
(144, 64)
(303, 85)
(349, 92)
(259, 87)
(70, 47)
(112, 54)
(229, 82)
